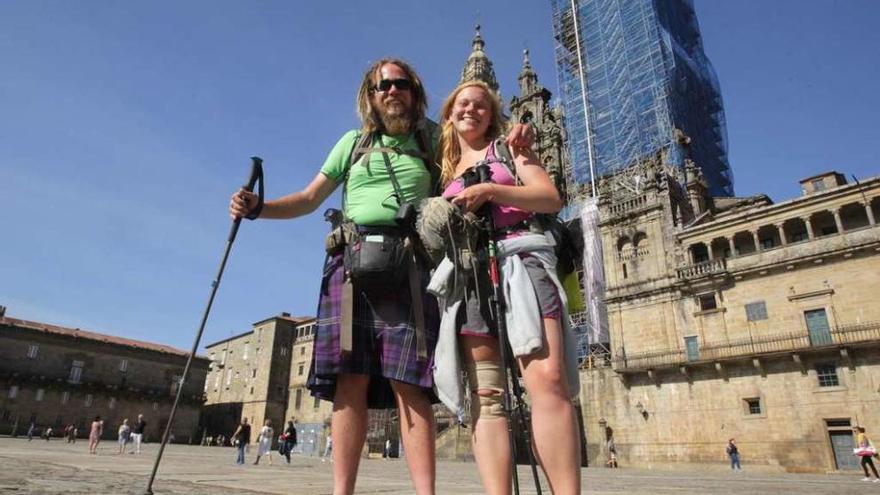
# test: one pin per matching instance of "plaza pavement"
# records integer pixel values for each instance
(50, 468)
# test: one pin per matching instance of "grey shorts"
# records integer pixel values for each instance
(475, 316)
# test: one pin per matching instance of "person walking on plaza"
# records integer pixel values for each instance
(137, 434)
(328, 450)
(124, 435)
(95, 434)
(866, 450)
(289, 440)
(70, 433)
(733, 454)
(48, 433)
(31, 429)
(264, 442)
(240, 439)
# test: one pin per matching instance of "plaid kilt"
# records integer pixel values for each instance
(383, 336)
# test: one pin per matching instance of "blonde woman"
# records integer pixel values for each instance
(471, 120)
(264, 442)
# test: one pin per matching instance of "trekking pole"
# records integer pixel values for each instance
(256, 175)
(513, 406)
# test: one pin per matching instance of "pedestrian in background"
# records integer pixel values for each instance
(70, 433)
(240, 439)
(328, 450)
(289, 440)
(866, 450)
(733, 453)
(31, 429)
(95, 434)
(48, 433)
(137, 434)
(264, 442)
(124, 435)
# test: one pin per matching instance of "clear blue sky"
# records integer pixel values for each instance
(125, 126)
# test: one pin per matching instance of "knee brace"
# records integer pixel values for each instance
(486, 376)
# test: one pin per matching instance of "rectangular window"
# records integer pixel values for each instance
(247, 349)
(756, 311)
(300, 371)
(76, 369)
(707, 302)
(123, 365)
(692, 346)
(33, 350)
(817, 326)
(223, 358)
(65, 396)
(112, 403)
(254, 373)
(88, 401)
(229, 376)
(316, 404)
(13, 391)
(252, 390)
(41, 394)
(284, 351)
(818, 185)
(299, 396)
(217, 378)
(753, 405)
(827, 375)
(302, 351)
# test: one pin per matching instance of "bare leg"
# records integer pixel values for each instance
(489, 436)
(417, 433)
(349, 430)
(554, 425)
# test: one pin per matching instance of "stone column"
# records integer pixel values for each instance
(781, 229)
(870, 213)
(837, 221)
(809, 227)
(709, 250)
(732, 247)
(757, 241)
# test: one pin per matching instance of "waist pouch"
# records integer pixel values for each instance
(376, 255)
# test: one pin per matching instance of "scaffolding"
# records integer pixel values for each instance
(633, 80)
(645, 75)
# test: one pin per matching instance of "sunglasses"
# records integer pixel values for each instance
(400, 84)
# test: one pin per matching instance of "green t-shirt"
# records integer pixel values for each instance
(369, 193)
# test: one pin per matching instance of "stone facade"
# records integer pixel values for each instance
(56, 376)
(737, 317)
(249, 377)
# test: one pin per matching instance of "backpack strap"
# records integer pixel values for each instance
(503, 155)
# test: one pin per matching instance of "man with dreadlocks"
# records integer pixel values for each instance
(377, 327)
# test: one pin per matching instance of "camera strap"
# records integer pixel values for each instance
(413, 272)
(398, 193)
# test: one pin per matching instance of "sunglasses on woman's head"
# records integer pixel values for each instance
(400, 84)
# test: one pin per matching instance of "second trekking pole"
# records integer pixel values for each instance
(513, 405)
(256, 176)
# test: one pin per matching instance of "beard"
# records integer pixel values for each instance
(396, 118)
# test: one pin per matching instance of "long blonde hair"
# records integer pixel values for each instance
(370, 120)
(450, 150)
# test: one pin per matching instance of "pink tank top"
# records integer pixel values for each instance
(504, 216)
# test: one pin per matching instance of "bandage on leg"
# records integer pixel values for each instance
(485, 376)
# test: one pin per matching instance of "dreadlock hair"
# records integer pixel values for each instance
(450, 149)
(370, 119)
